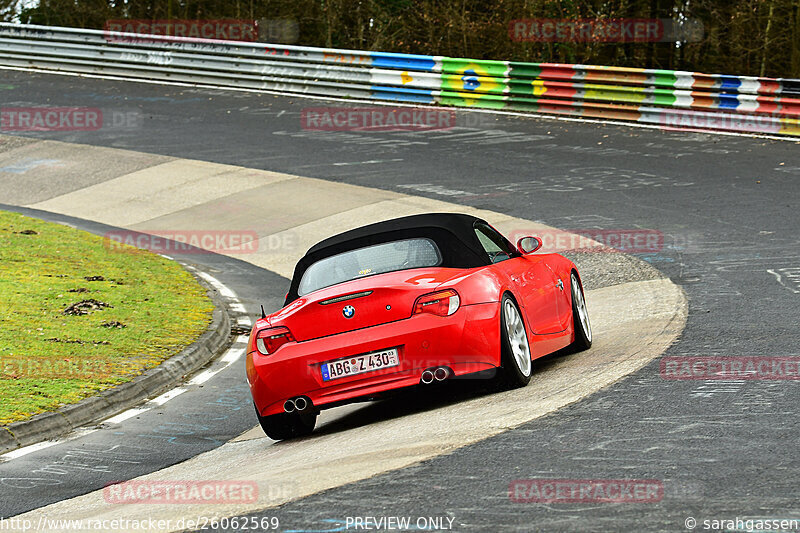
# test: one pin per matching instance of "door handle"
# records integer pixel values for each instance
(560, 285)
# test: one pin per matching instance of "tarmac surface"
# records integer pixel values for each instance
(725, 206)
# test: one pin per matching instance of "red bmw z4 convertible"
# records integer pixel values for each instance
(408, 302)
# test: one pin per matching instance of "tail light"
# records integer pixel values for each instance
(442, 303)
(268, 340)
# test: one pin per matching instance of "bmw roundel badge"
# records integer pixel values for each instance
(349, 311)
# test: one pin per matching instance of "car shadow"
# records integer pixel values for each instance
(423, 398)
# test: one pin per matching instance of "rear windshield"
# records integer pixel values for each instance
(368, 261)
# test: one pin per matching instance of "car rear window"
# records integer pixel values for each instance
(369, 261)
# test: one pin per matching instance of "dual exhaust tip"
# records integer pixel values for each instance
(301, 403)
(436, 374)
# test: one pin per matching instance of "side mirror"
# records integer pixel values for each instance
(528, 245)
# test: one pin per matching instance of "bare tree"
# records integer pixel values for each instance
(755, 37)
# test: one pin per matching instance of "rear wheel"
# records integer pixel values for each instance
(580, 317)
(516, 352)
(285, 426)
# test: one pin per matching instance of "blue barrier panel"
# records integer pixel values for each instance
(403, 61)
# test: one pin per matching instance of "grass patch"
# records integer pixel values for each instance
(77, 317)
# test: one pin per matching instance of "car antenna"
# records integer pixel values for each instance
(263, 314)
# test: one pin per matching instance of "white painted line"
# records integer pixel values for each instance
(395, 104)
(202, 377)
(370, 162)
(125, 415)
(29, 449)
(244, 321)
(230, 357)
(80, 433)
(242, 339)
(167, 396)
(238, 307)
(223, 290)
(20, 452)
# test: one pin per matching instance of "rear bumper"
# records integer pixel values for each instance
(466, 342)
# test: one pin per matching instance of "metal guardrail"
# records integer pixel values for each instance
(672, 99)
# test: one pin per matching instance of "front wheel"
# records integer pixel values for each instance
(580, 317)
(516, 352)
(285, 426)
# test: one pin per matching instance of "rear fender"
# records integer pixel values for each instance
(478, 287)
(560, 265)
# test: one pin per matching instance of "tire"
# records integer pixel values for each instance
(286, 426)
(516, 361)
(580, 317)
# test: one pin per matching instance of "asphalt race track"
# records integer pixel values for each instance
(637, 315)
(726, 206)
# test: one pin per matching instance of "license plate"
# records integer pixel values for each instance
(359, 364)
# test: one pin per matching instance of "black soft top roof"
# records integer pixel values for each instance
(453, 233)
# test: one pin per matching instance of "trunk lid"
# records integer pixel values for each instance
(371, 301)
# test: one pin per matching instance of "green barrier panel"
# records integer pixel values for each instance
(479, 76)
(462, 99)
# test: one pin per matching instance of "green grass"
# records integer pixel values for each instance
(49, 359)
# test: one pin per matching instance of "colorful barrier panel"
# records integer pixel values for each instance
(665, 98)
